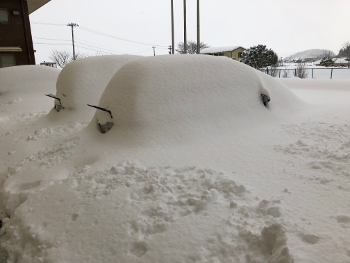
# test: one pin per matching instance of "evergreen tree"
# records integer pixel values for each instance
(259, 57)
(326, 62)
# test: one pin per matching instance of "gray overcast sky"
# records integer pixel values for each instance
(286, 26)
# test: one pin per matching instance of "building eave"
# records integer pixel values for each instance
(34, 5)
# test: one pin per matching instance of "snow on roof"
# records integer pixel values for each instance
(211, 50)
(340, 60)
(82, 82)
(186, 96)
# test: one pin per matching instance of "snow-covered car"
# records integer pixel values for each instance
(83, 81)
(188, 96)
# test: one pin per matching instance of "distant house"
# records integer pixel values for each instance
(234, 52)
(337, 62)
(310, 59)
(49, 64)
(16, 44)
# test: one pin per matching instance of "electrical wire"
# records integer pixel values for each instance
(96, 50)
(119, 38)
(53, 39)
(100, 48)
(51, 44)
(48, 24)
(102, 34)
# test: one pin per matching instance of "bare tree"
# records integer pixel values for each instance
(345, 52)
(327, 59)
(63, 57)
(191, 47)
(285, 73)
(273, 70)
(301, 70)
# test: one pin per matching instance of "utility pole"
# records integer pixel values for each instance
(154, 51)
(198, 30)
(73, 25)
(185, 32)
(172, 27)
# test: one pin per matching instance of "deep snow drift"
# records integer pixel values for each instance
(195, 169)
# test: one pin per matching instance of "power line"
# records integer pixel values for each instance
(104, 34)
(52, 39)
(99, 47)
(51, 44)
(48, 24)
(96, 50)
(119, 38)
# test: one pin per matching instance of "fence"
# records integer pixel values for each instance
(315, 73)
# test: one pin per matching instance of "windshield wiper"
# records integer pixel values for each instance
(57, 107)
(103, 109)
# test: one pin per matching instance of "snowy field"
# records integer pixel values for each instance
(194, 169)
(313, 71)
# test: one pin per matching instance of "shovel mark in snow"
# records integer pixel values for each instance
(310, 238)
(138, 249)
(344, 221)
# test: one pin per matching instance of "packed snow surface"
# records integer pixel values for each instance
(195, 168)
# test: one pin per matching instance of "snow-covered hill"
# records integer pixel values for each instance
(311, 53)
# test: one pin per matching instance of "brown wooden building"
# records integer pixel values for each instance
(16, 44)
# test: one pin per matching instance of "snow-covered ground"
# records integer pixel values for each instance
(195, 168)
(315, 72)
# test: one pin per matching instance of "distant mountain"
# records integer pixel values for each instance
(312, 53)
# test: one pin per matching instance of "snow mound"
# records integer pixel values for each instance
(27, 86)
(177, 98)
(83, 81)
(26, 79)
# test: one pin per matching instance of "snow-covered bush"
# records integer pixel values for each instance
(301, 70)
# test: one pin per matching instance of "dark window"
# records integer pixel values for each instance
(7, 60)
(4, 16)
(240, 54)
